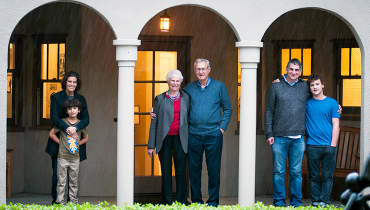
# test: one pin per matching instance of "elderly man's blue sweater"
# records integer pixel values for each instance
(205, 109)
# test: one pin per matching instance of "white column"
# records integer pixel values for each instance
(249, 57)
(126, 55)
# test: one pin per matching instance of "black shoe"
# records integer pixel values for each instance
(52, 203)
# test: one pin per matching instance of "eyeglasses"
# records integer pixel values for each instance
(201, 69)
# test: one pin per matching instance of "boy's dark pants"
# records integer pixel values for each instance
(326, 155)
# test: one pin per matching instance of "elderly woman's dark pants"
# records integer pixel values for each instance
(172, 146)
(212, 145)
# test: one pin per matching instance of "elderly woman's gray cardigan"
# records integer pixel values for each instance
(160, 125)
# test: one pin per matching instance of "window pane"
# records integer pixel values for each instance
(344, 65)
(48, 89)
(352, 92)
(9, 95)
(284, 60)
(144, 66)
(44, 60)
(296, 53)
(143, 96)
(62, 60)
(164, 61)
(355, 62)
(11, 61)
(306, 71)
(142, 130)
(157, 166)
(53, 61)
(160, 88)
(143, 163)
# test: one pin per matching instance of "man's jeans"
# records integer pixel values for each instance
(326, 155)
(294, 149)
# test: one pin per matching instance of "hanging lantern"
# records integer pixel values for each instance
(165, 22)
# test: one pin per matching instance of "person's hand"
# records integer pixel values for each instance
(276, 80)
(75, 136)
(271, 140)
(71, 130)
(222, 131)
(340, 110)
(152, 115)
(151, 152)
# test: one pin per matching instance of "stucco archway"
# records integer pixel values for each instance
(90, 52)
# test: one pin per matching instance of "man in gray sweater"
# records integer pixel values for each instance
(285, 129)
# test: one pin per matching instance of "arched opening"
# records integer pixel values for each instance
(67, 37)
(326, 46)
(195, 32)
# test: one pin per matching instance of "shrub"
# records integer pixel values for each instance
(176, 206)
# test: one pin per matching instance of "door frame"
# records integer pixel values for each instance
(146, 185)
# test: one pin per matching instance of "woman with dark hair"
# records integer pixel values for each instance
(71, 83)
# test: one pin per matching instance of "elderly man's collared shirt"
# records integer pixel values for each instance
(208, 81)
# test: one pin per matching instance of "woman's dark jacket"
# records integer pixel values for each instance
(57, 113)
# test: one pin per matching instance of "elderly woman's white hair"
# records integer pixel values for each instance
(174, 73)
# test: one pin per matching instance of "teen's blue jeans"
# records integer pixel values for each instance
(294, 149)
(326, 155)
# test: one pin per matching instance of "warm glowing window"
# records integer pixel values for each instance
(14, 85)
(9, 87)
(351, 77)
(151, 70)
(50, 57)
(52, 72)
(302, 54)
(287, 50)
(347, 66)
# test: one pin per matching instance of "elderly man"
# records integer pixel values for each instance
(206, 128)
(285, 128)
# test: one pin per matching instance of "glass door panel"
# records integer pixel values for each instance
(154, 60)
(160, 88)
(144, 66)
(164, 61)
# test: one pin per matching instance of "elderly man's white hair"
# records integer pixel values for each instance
(174, 73)
(201, 60)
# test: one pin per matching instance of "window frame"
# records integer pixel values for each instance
(38, 122)
(291, 44)
(15, 124)
(348, 113)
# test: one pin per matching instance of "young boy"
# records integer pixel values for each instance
(68, 156)
(322, 125)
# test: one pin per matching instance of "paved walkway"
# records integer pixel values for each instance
(41, 199)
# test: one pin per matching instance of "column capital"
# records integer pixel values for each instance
(126, 51)
(249, 54)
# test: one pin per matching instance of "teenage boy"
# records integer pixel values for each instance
(322, 124)
(68, 156)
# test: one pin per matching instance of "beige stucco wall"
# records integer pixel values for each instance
(248, 20)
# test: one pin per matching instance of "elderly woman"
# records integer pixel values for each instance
(169, 135)
(71, 83)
